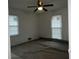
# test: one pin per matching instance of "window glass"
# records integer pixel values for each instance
(57, 27)
(13, 25)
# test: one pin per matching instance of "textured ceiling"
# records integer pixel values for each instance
(22, 4)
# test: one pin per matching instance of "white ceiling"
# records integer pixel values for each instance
(22, 4)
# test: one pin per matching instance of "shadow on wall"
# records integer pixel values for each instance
(45, 23)
(27, 27)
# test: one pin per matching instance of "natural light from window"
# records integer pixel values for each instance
(13, 25)
(56, 25)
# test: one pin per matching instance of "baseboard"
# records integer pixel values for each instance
(55, 40)
(23, 43)
(42, 38)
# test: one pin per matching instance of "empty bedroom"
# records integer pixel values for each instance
(38, 29)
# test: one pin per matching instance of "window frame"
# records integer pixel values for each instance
(57, 27)
(14, 26)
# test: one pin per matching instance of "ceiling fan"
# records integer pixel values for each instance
(40, 6)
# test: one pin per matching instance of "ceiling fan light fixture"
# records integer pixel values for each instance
(40, 8)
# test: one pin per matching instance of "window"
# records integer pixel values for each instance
(13, 25)
(57, 27)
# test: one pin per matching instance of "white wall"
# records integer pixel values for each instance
(27, 27)
(45, 23)
(37, 25)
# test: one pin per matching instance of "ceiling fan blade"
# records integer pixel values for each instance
(31, 6)
(45, 9)
(48, 5)
(35, 9)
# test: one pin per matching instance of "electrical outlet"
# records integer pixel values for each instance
(29, 38)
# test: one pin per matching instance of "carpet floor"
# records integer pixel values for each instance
(40, 49)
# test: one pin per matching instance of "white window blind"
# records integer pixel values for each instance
(13, 25)
(57, 27)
